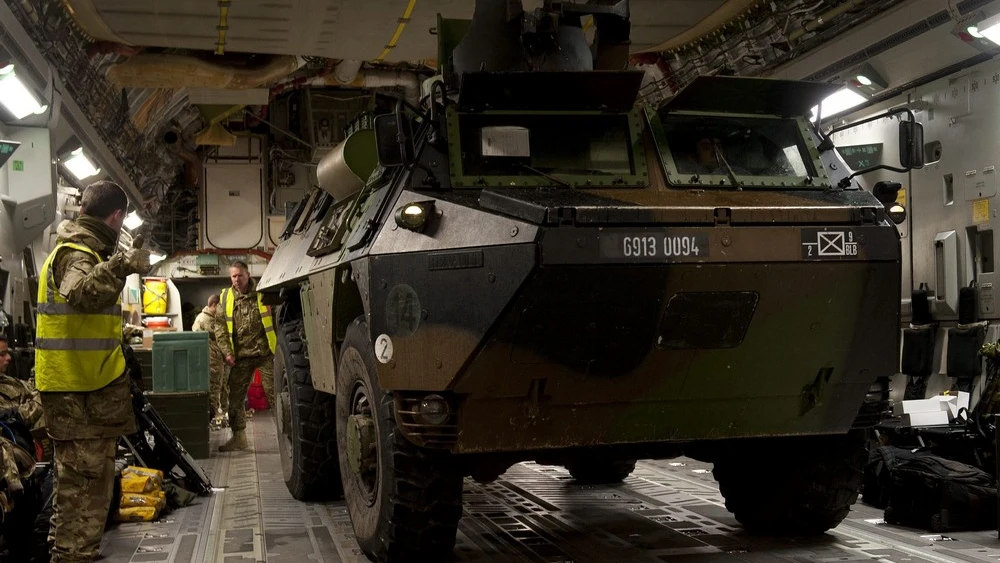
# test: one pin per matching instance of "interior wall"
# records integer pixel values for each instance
(953, 198)
(951, 202)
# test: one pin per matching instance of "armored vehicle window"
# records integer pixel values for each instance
(753, 148)
(509, 145)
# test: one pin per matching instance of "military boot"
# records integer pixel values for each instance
(237, 443)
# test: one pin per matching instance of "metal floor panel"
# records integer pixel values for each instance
(666, 511)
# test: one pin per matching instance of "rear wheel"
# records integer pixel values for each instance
(808, 491)
(404, 501)
(599, 471)
(305, 419)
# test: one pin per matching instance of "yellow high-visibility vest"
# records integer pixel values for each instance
(75, 351)
(265, 318)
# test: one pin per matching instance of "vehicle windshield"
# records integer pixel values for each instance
(748, 146)
(565, 145)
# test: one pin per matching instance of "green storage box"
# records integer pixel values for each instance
(186, 415)
(145, 359)
(180, 361)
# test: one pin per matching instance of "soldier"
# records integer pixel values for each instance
(18, 394)
(80, 367)
(219, 378)
(245, 332)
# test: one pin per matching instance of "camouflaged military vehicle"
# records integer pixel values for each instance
(531, 266)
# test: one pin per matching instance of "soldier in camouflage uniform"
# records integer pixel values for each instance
(20, 395)
(244, 330)
(219, 371)
(16, 464)
(80, 367)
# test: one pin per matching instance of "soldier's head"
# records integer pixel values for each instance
(107, 202)
(4, 354)
(213, 301)
(239, 274)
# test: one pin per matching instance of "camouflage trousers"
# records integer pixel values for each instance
(240, 377)
(218, 383)
(84, 483)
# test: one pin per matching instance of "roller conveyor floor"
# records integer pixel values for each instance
(666, 511)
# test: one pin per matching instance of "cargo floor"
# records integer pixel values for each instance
(666, 511)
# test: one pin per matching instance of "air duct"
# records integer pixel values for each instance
(726, 13)
(347, 71)
(373, 79)
(149, 70)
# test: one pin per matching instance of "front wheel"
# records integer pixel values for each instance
(809, 491)
(305, 419)
(404, 501)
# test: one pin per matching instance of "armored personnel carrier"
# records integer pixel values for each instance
(531, 266)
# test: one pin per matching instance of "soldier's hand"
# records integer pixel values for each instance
(132, 261)
(230, 361)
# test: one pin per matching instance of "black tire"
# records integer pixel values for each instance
(305, 420)
(809, 492)
(407, 503)
(599, 471)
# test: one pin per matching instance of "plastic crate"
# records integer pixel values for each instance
(186, 415)
(180, 361)
(145, 359)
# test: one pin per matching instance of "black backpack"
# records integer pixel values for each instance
(941, 495)
(877, 481)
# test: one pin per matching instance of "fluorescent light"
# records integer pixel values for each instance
(16, 97)
(841, 100)
(156, 258)
(974, 31)
(990, 29)
(864, 80)
(80, 165)
(132, 221)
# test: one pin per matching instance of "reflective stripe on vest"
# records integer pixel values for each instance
(75, 351)
(228, 304)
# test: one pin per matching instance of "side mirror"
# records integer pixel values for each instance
(392, 140)
(911, 144)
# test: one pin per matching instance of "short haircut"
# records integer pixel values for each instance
(241, 265)
(102, 199)
(213, 299)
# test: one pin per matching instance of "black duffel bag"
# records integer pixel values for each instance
(941, 495)
(877, 482)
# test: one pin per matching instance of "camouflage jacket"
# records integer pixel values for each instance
(15, 393)
(89, 286)
(16, 465)
(206, 322)
(250, 339)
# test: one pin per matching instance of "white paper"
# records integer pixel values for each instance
(506, 141)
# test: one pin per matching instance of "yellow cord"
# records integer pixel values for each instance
(222, 27)
(589, 23)
(399, 31)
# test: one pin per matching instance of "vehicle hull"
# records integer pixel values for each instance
(573, 348)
